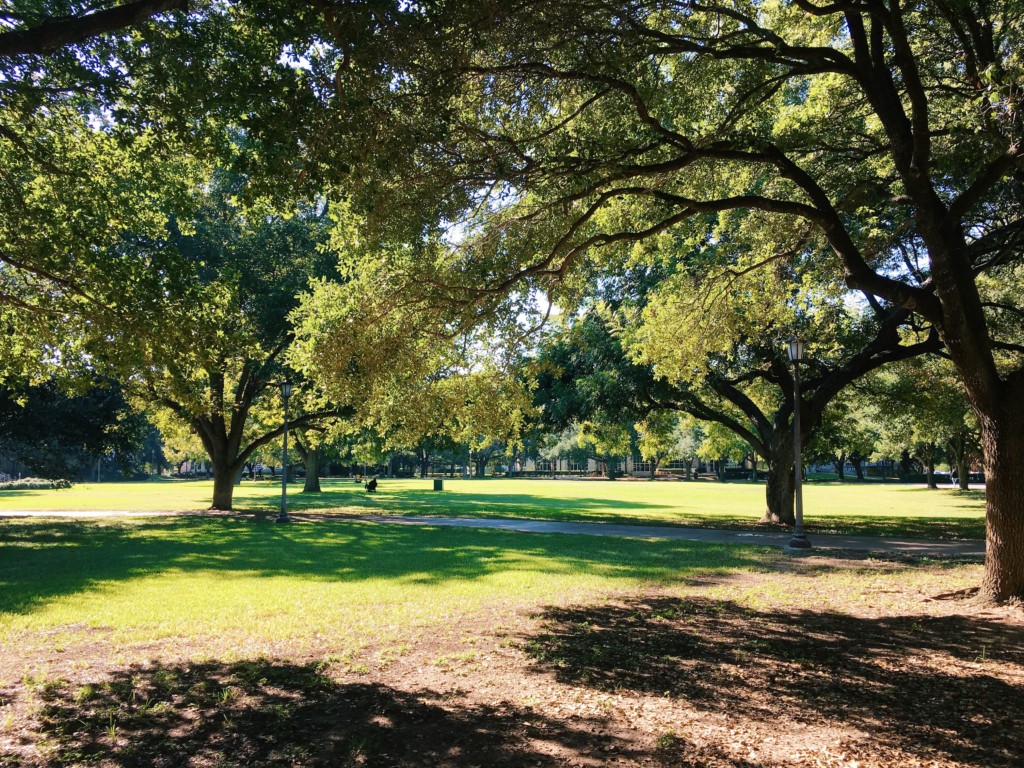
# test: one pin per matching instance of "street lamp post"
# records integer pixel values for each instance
(799, 541)
(282, 517)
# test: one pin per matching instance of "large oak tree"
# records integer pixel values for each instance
(889, 132)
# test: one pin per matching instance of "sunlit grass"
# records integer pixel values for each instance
(884, 509)
(137, 624)
(235, 588)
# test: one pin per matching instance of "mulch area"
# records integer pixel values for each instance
(653, 678)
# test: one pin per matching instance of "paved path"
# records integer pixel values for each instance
(921, 547)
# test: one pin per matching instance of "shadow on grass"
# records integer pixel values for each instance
(447, 503)
(265, 713)
(43, 560)
(915, 685)
(944, 528)
(353, 500)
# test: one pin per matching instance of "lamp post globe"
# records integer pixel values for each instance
(795, 350)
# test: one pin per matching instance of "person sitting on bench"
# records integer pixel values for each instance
(371, 486)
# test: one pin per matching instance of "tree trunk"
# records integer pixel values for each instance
(312, 461)
(858, 465)
(223, 487)
(510, 469)
(957, 448)
(840, 464)
(720, 468)
(906, 465)
(779, 494)
(481, 467)
(609, 469)
(654, 467)
(930, 467)
(963, 472)
(779, 488)
(1003, 442)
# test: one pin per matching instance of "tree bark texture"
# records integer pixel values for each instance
(312, 462)
(963, 473)
(1003, 441)
(223, 486)
(60, 31)
(779, 491)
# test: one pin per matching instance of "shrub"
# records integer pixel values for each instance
(34, 484)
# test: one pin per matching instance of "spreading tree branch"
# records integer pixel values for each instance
(60, 31)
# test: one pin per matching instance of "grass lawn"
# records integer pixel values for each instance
(243, 585)
(230, 641)
(880, 509)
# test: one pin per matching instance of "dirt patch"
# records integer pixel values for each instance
(810, 673)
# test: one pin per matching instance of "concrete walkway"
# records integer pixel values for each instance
(917, 547)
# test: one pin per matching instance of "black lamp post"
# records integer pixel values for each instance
(795, 350)
(282, 517)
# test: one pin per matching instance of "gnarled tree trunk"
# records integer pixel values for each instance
(779, 493)
(224, 485)
(1003, 442)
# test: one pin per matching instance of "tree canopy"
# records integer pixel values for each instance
(876, 142)
(884, 136)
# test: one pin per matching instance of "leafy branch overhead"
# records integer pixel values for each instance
(882, 139)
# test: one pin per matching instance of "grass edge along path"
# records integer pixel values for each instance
(855, 509)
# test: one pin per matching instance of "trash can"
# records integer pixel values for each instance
(438, 484)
